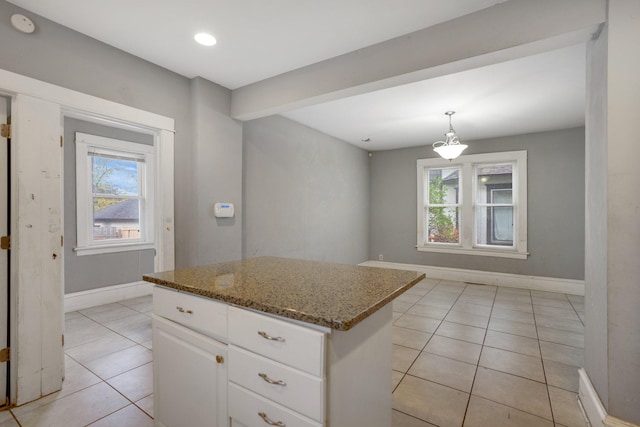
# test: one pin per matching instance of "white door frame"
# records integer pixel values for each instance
(36, 281)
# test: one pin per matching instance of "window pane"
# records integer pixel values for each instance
(444, 186)
(116, 218)
(443, 225)
(115, 176)
(491, 177)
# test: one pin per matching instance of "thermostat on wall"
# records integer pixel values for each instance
(223, 210)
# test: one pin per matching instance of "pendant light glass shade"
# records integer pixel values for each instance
(450, 148)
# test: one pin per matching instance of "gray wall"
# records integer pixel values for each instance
(86, 272)
(306, 194)
(217, 173)
(612, 300)
(555, 206)
(61, 56)
(595, 276)
(208, 143)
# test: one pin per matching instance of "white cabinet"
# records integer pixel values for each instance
(273, 371)
(189, 368)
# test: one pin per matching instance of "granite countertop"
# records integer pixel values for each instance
(336, 296)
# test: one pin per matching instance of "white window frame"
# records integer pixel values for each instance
(85, 144)
(468, 184)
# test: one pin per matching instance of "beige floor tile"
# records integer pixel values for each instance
(512, 363)
(562, 353)
(108, 312)
(431, 402)
(511, 327)
(412, 299)
(514, 298)
(148, 344)
(426, 285)
(561, 375)
(470, 307)
(473, 299)
(511, 290)
(9, 422)
(146, 404)
(516, 316)
(434, 301)
(140, 334)
(403, 357)
(558, 323)
(451, 287)
(471, 319)
(559, 313)
(396, 377)
(566, 410)
(510, 342)
(77, 322)
(91, 331)
(401, 306)
(396, 315)
(119, 362)
(520, 393)
(410, 338)
(485, 413)
(136, 383)
(461, 332)
(428, 311)
(559, 336)
(454, 349)
(77, 409)
(418, 323)
(579, 299)
(130, 416)
(398, 419)
(416, 291)
(128, 323)
(101, 347)
(552, 302)
(445, 371)
(480, 289)
(517, 306)
(142, 304)
(5, 415)
(552, 295)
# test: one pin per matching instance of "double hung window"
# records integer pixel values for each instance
(475, 204)
(114, 191)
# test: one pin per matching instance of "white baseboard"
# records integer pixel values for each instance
(538, 283)
(109, 294)
(593, 408)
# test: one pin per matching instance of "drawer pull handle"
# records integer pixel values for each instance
(182, 310)
(268, 421)
(269, 337)
(270, 381)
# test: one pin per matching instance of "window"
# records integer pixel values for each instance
(114, 190)
(475, 204)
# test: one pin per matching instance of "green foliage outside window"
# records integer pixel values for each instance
(442, 227)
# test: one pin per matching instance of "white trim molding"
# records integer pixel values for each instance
(593, 407)
(537, 283)
(106, 295)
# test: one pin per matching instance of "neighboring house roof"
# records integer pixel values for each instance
(483, 170)
(123, 211)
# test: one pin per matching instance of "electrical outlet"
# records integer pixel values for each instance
(380, 257)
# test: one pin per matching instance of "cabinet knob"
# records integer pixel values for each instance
(219, 359)
(182, 310)
(268, 421)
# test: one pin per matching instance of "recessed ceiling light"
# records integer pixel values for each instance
(205, 39)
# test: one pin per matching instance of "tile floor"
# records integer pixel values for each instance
(463, 354)
(486, 356)
(108, 372)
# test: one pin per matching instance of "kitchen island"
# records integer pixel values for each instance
(274, 341)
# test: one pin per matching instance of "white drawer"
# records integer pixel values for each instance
(245, 408)
(202, 314)
(293, 345)
(298, 390)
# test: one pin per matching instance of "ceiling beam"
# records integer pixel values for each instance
(506, 31)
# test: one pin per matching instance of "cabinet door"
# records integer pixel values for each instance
(190, 377)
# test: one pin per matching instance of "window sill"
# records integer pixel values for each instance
(106, 249)
(477, 251)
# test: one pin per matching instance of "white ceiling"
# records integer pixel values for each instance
(258, 39)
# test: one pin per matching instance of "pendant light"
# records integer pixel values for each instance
(450, 148)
